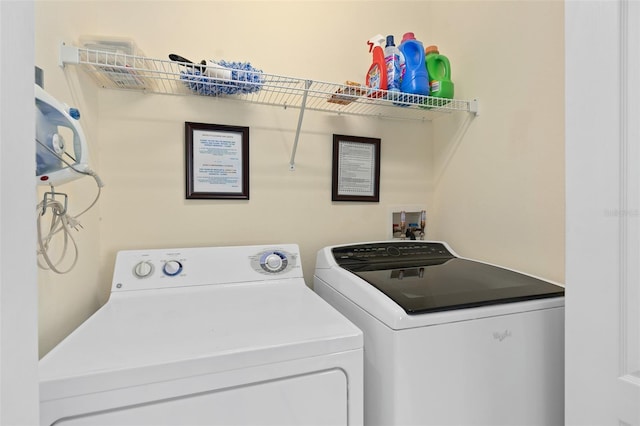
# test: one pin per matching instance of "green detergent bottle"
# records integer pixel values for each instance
(439, 73)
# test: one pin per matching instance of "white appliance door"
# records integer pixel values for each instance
(603, 209)
(310, 399)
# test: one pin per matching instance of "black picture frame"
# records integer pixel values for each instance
(356, 169)
(216, 161)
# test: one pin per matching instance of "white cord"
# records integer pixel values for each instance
(61, 221)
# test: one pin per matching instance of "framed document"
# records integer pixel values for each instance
(356, 169)
(217, 161)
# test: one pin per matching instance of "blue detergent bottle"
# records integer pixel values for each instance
(415, 79)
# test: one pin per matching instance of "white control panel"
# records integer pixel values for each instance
(183, 267)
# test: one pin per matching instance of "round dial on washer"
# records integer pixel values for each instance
(143, 269)
(274, 261)
(172, 268)
(393, 251)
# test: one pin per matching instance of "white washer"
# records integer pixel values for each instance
(447, 340)
(215, 336)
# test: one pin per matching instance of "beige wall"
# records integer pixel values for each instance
(492, 186)
(500, 184)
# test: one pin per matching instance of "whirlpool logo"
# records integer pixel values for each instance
(501, 335)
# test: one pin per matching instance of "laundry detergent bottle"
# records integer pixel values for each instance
(439, 71)
(394, 61)
(415, 79)
(377, 75)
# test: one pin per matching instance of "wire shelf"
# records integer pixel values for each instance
(115, 70)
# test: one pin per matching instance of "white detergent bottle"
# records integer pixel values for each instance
(394, 60)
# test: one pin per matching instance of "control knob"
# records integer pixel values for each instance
(172, 268)
(273, 262)
(143, 269)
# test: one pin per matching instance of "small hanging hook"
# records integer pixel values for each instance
(51, 195)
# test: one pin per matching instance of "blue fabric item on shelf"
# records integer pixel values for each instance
(244, 80)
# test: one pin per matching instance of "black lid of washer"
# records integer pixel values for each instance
(425, 277)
